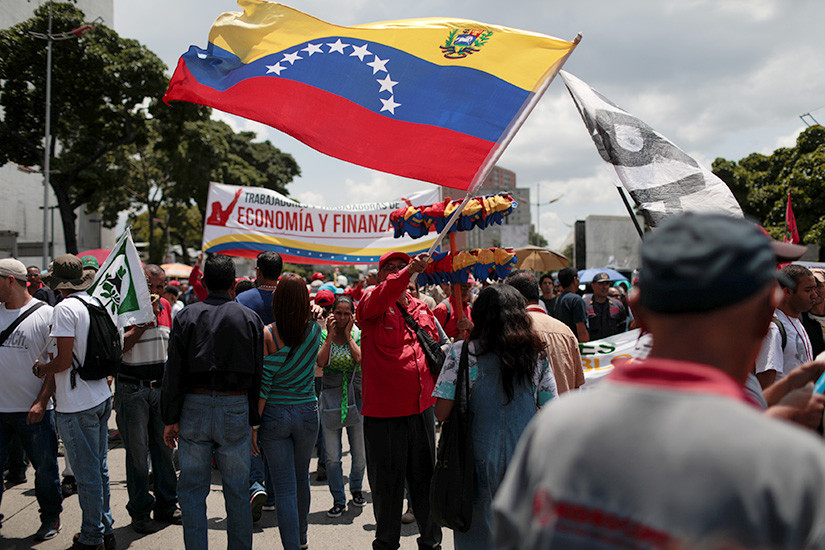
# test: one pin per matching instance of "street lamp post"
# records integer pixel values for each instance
(47, 151)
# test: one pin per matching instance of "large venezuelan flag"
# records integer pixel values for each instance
(423, 98)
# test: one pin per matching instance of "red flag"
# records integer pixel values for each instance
(791, 232)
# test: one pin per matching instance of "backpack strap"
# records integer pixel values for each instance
(782, 331)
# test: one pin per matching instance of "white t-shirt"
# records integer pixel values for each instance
(797, 349)
(19, 386)
(71, 319)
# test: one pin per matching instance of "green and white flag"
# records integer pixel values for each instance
(121, 287)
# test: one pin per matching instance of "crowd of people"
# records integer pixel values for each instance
(709, 442)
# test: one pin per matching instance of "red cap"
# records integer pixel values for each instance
(397, 255)
(318, 276)
(324, 298)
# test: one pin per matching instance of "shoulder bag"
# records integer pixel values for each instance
(452, 486)
(330, 403)
(432, 349)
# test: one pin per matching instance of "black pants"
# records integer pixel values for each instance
(399, 449)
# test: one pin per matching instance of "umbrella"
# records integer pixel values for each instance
(100, 254)
(177, 270)
(536, 258)
(586, 275)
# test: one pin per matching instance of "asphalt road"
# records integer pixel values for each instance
(354, 530)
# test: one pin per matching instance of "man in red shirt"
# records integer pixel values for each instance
(399, 428)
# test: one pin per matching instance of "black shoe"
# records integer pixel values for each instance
(68, 486)
(15, 478)
(172, 517)
(48, 530)
(256, 502)
(358, 499)
(336, 511)
(77, 545)
(144, 526)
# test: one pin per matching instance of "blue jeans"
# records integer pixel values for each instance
(85, 438)
(40, 443)
(287, 437)
(141, 427)
(335, 472)
(215, 425)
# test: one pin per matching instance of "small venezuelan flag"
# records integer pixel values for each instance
(428, 99)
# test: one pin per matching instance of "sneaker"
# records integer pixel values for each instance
(47, 530)
(109, 542)
(336, 511)
(408, 516)
(358, 499)
(257, 502)
(68, 486)
(144, 526)
(268, 508)
(304, 545)
(172, 517)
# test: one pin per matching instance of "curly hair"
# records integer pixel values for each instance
(503, 327)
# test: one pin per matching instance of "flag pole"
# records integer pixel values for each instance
(632, 214)
(509, 133)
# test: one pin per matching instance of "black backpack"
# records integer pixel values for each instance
(103, 347)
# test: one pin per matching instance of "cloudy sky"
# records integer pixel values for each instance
(720, 78)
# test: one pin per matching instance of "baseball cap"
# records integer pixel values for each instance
(90, 262)
(318, 276)
(601, 277)
(702, 262)
(324, 298)
(396, 255)
(11, 267)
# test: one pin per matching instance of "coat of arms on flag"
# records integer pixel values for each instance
(121, 287)
(461, 45)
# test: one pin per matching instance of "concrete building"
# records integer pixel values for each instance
(21, 211)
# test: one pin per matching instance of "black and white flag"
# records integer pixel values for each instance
(661, 178)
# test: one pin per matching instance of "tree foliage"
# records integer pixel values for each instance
(115, 145)
(761, 184)
(101, 86)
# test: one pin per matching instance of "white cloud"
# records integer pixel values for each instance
(312, 198)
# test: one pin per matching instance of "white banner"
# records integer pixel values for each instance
(244, 221)
(601, 356)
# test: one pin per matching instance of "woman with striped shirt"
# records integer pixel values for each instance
(289, 409)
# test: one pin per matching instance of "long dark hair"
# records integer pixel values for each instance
(290, 306)
(503, 326)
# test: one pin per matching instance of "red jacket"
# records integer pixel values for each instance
(396, 380)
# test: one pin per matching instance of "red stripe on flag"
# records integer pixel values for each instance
(340, 128)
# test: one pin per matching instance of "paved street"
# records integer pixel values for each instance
(355, 529)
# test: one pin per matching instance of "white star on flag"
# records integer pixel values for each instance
(378, 64)
(276, 68)
(291, 57)
(360, 51)
(386, 84)
(337, 46)
(389, 104)
(312, 48)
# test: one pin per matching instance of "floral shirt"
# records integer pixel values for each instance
(543, 379)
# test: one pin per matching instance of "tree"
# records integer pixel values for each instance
(761, 184)
(101, 87)
(169, 174)
(537, 239)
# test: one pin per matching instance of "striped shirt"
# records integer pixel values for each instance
(289, 373)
